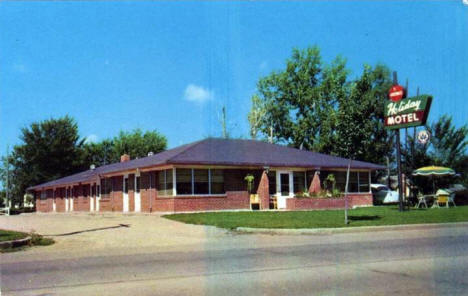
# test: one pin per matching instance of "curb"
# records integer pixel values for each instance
(15, 243)
(312, 231)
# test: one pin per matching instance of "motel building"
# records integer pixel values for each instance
(208, 175)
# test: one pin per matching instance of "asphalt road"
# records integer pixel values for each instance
(435, 265)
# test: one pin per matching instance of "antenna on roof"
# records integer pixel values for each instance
(92, 167)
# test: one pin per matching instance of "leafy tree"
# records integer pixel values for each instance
(46, 146)
(447, 147)
(136, 144)
(139, 144)
(315, 106)
(360, 132)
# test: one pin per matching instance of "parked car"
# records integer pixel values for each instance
(381, 194)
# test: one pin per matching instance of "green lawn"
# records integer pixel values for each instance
(372, 216)
(7, 235)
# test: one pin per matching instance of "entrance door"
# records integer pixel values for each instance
(137, 194)
(283, 188)
(70, 200)
(92, 192)
(125, 195)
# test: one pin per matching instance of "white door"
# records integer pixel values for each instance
(70, 200)
(91, 198)
(98, 196)
(125, 194)
(137, 194)
(284, 188)
(66, 199)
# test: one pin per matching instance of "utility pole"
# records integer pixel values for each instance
(7, 183)
(223, 122)
(346, 193)
(397, 135)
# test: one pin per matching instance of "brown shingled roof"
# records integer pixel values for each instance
(212, 151)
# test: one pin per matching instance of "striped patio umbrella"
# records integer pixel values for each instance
(434, 171)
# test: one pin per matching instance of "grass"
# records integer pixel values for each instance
(36, 240)
(372, 216)
(8, 235)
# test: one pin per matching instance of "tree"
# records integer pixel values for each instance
(46, 146)
(447, 147)
(138, 144)
(360, 132)
(315, 106)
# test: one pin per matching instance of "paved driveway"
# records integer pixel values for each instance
(84, 234)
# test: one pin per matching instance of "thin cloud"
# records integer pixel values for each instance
(198, 94)
(91, 139)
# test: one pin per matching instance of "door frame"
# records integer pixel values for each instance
(125, 199)
(281, 199)
(137, 195)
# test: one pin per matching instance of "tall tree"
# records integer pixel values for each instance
(315, 106)
(447, 147)
(50, 149)
(138, 144)
(360, 132)
(297, 104)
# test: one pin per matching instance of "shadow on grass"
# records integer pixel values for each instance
(90, 230)
(364, 218)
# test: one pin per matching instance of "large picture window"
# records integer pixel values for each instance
(165, 184)
(299, 182)
(358, 181)
(199, 181)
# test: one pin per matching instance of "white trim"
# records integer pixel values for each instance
(91, 198)
(125, 199)
(54, 206)
(66, 199)
(174, 183)
(137, 195)
(98, 194)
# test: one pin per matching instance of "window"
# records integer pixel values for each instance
(272, 182)
(137, 183)
(363, 182)
(284, 178)
(201, 182)
(358, 181)
(184, 181)
(165, 182)
(43, 194)
(299, 182)
(125, 185)
(98, 190)
(217, 182)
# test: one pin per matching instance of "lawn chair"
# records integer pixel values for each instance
(421, 201)
(442, 197)
(451, 199)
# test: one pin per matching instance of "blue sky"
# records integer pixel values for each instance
(172, 66)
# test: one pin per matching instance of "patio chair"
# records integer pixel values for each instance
(421, 201)
(442, 197)
(451, 199)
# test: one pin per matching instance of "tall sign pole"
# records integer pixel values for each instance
(398, 153)
(401, 112)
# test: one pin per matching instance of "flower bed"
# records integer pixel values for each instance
(314, 203)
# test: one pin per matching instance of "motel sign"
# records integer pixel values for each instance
(407, 112)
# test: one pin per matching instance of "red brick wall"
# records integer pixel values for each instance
(60, 199)
(131, 193)
(117, 194)
(44, 205)
(328, 203)
(233, 200)
(263, 192)
(148, 196)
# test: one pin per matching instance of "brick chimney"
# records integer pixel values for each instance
(124, 158)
